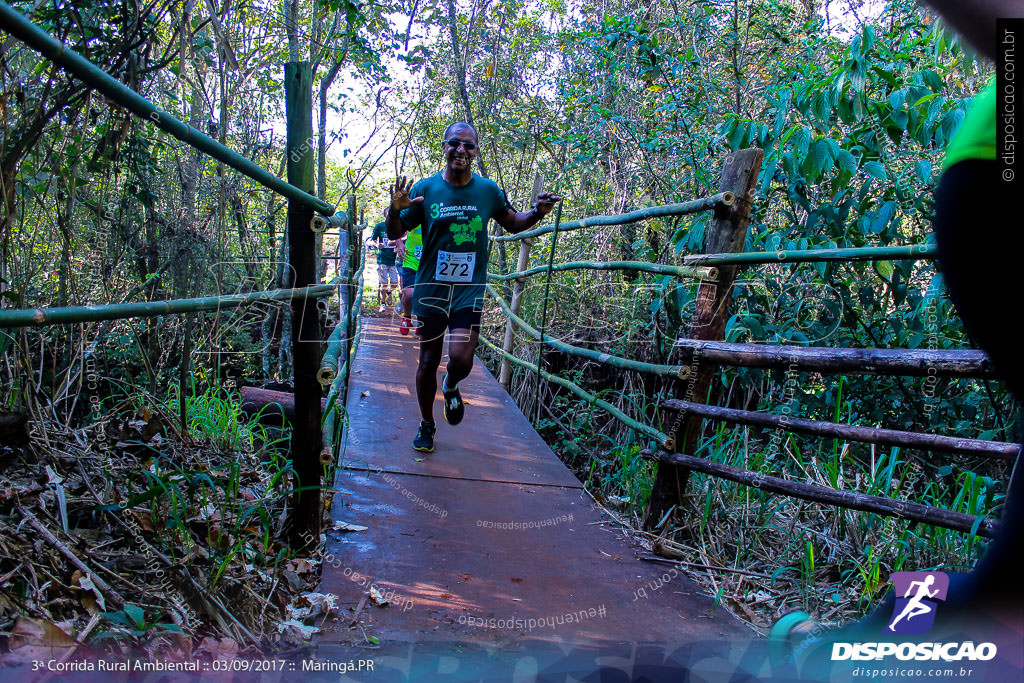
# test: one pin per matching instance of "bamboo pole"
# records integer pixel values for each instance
(727, 232)
(885, 437)
(342, 273)
(356, 235)
(184, 372)
(337, 343)
(338, 392)
(505, 374)
(916, 512)
(583, 394)
(722, 199)
(26, 317)
(905, 362)
(675, 371)
(677, 271)
(18, 26)
(901, 253)
(331, 412)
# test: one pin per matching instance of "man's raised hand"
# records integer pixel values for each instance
(400, 194)
(546, 202)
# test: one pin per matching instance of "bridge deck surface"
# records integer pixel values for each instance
(490, 540)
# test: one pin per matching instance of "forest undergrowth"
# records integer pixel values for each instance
(762, 555)
(759, 554)
(141, 539)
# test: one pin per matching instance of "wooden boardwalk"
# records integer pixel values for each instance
(490, 541)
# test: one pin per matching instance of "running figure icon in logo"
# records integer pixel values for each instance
(917, 611)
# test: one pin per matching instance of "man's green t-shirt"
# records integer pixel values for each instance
(385, 247)
(976, 138)
(453, 268)
(413, 249)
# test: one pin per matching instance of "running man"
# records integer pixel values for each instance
(453, 208)
(387, 273)
(914, 606)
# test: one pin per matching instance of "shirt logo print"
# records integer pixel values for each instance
(466, 232)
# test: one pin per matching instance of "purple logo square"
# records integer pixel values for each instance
(917, 596)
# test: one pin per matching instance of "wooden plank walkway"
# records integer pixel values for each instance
(489, 541)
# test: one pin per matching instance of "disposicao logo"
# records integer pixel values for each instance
(913, 613)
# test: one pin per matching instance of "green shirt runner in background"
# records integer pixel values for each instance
(385, 247)
(453, 269)
(413, 249)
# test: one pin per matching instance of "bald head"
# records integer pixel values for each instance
(461, 125)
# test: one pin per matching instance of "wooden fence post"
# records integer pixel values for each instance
(306, 434)
(727, 232)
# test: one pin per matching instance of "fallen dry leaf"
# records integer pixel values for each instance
(38, 639)
(299, 566)
(347, 526)
(377, 596)
(83, 581)
(144, 519)
(311, 605)
(297, 627)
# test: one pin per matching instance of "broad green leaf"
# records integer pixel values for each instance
(884, 270)
(801, 142)
(135, 612)
(846, 161)
(875, 170)
(923, 169)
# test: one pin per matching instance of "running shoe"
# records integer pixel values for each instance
(404, 327)
(424, 441)
(454, 408)
(382, 308)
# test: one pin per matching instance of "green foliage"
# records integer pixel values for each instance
(216, 414)
(131, 623)
(207, 505)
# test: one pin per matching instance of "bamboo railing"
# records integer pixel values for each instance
(341, 349)
(722, 199)
(661, 269)
(677, 371)
(829, 360)
(26, 317)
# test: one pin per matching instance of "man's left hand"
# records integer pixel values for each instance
(546, 202)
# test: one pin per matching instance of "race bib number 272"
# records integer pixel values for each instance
(455, 267)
